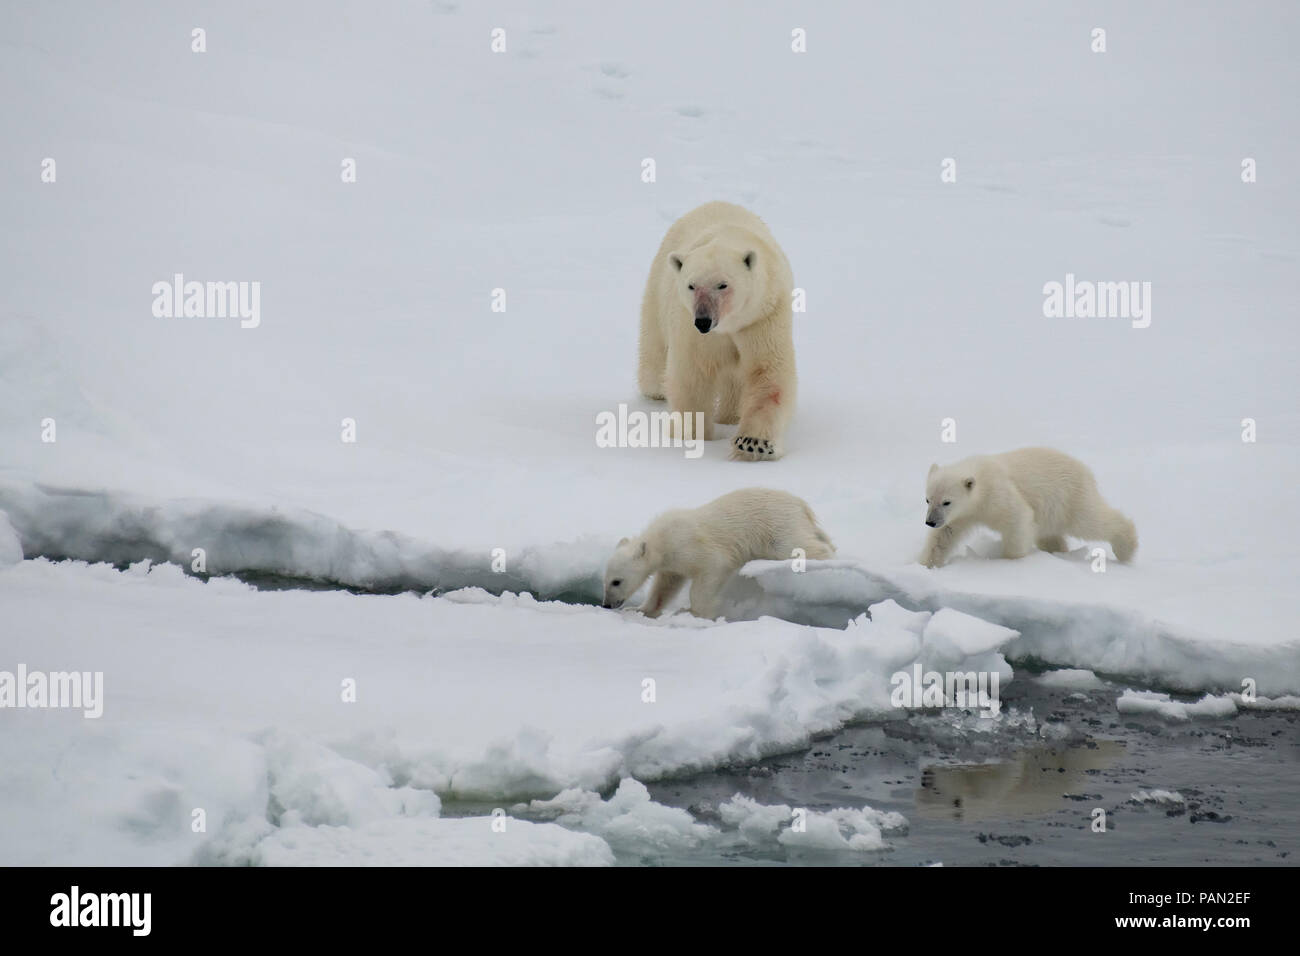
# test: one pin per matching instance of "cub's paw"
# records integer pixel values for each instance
(744, 448)
(933, 558)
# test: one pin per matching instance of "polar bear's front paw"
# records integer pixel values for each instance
(745, 448)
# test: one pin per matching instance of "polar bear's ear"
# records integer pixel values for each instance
(970, 483)
(641, 553)
(622, 542)
(749, 260)
(676, 260)
(933, 469)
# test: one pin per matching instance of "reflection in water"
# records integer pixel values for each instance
(1031, 782)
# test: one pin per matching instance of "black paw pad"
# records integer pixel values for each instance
(755, 446)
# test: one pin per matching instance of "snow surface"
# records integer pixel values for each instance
(471, 696)
(464, 841)
(476, 429)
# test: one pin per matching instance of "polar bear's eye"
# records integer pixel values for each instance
(615, 584)
(947, 503)
(691, 287)
(721, 286)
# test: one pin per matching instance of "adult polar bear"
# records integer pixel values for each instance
(716, 328)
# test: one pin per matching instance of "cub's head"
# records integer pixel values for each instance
(949, 492)
(716, 282)
(627, 570)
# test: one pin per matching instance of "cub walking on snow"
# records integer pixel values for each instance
(716, 328)
(707, 545)
(1032, 497)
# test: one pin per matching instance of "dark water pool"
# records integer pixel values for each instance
(1013, 798)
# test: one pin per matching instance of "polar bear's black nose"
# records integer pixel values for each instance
(703, 323)
(931, 524)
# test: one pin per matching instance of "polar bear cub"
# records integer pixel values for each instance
(1032, 497)
(707, 545)
(716, 328)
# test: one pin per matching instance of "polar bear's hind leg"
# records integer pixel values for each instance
(1018, 535)
(1104, 523)
(706, 591)
(1054, 543)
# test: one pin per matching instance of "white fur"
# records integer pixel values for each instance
(742, 369)
(1032, 497)
(707, 545)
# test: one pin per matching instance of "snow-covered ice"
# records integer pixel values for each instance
(1225, 705)
(1157, 796)
(1150, 702)
(461, 841)
(475, 430)
(632, 822)
(1071, 678)
(843, 828)
(629, 819)
(468, 696)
